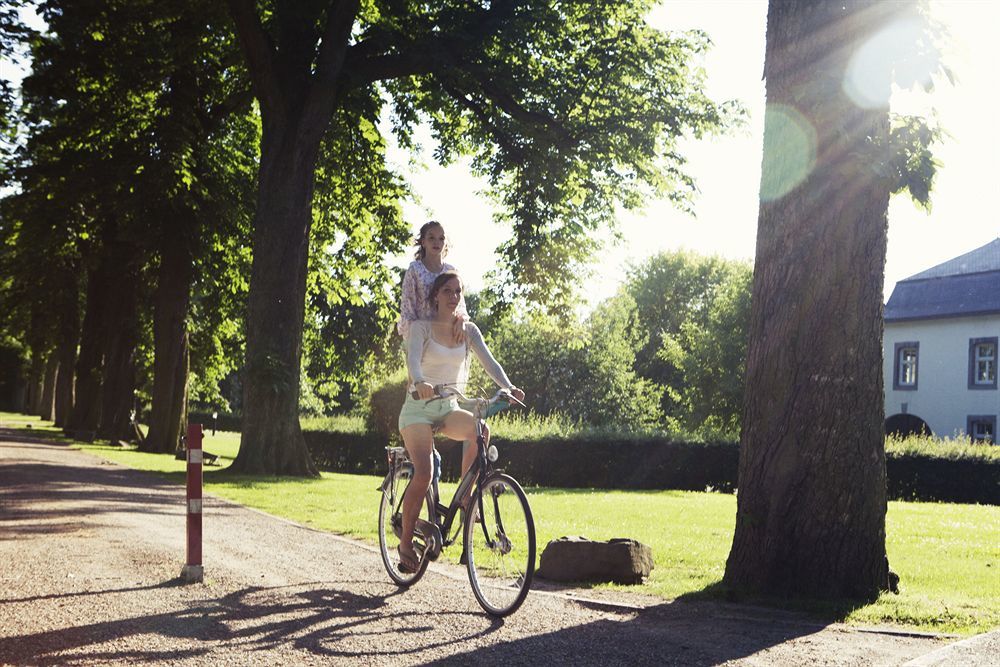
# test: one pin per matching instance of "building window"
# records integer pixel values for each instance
(904, 374)
(982, 428)
(983, 363)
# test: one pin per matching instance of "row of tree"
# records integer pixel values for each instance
(200, 187)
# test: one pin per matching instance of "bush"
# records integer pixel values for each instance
(384, 405)
(921, 477)
(347, 452)
(226, 421)
(580, 370)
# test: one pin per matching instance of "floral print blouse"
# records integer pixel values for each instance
(415, 304)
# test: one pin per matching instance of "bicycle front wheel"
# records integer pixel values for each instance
(500, 546)
(390, 527)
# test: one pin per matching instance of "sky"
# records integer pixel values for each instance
(727, 168)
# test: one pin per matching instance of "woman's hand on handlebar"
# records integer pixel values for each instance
(517, 393)
(424, 390)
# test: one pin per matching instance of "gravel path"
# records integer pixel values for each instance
(90, 554)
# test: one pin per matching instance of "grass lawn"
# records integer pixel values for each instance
(947, 555)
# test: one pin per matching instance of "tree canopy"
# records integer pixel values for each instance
(568, 110)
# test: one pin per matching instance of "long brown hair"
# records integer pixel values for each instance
(424, 228)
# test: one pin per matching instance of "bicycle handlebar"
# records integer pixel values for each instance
(483, 403)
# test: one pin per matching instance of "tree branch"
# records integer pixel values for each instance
(329, 64)
(336, 34)
(259, 54)
(219, 112)
(504, 140)
(505, 101)
(364, 69)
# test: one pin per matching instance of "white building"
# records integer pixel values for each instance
(940, 348)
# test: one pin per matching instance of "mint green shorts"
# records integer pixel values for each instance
(432, 413)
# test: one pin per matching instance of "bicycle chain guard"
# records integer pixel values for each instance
(431, 534)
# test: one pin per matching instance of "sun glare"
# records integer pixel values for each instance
(867, 80)
(791, 154)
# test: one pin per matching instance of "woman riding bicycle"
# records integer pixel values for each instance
(435, 356)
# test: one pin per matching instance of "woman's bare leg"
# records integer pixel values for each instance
(419, 442)
(461, 425)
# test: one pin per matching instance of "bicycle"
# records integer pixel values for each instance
(498, 529)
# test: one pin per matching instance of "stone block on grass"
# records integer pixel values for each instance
(619, 560)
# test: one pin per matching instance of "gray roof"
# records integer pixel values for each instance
(986, 258)
(966, 285)
(951, 296)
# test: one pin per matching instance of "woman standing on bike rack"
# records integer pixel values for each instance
(437, 356)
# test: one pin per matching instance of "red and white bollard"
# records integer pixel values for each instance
(193, 572)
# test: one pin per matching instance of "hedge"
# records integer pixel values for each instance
(225, 421)
(656, 464)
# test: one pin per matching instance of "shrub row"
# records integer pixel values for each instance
(225, 421)
(656, 464)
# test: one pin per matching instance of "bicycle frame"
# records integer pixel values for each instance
(473, 477)
(437, 531)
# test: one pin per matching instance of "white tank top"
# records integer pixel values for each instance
(442, 364)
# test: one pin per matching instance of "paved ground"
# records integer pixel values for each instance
(90, 554)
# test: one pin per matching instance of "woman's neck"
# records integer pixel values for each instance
(433, 263)
(444, 317)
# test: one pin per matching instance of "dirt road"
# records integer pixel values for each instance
(90, 554)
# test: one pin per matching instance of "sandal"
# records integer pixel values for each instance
(407, 564)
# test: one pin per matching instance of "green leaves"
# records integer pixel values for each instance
(692, 316)
(909, 163)
(569, 110)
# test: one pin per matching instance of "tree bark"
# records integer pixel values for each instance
(47, 406)
(272, 440)
(812, 493)
(86, 414)
(170, 344)
(36, 380)
(118, 384)
(69, 336)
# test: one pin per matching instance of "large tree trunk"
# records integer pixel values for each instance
(272, 441)
(69, 337)
(86, 414)
(118, 385)
(170, 344)
(36, 379)
(36, 368)
(47, 407)
(812, 494)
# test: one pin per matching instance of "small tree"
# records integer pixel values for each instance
(710, 350)
(671, 291)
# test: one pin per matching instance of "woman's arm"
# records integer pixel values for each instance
(415, 350)
(490, 364)
(409, 302)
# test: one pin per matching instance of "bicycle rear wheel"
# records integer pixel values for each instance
(501, 547)
(390, 527)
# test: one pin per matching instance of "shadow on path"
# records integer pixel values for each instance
(322, 619)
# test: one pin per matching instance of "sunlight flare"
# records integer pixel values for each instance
(790, 154)
(868, 79)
